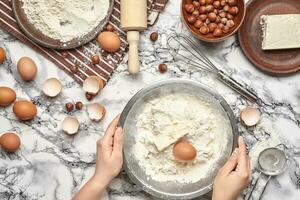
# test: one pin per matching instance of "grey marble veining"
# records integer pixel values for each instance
(53, 166)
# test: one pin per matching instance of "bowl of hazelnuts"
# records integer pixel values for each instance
(213, 20)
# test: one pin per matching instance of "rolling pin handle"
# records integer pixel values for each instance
(133, 58)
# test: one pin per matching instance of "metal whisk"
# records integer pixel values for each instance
(193, 56)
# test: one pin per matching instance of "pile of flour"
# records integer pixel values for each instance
(65, 20)
(163, 119)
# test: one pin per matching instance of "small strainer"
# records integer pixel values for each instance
(271, 162)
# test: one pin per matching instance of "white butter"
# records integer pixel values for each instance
(280, 31)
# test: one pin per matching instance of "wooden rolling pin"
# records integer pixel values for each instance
(133, 20)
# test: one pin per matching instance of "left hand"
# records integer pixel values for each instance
(109, 157)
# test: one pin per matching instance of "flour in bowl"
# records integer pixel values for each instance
(163, 121)
(65, 20)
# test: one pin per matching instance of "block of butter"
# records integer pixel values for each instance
(280, 31)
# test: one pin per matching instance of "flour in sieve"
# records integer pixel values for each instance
(205, 127)
(65, 20)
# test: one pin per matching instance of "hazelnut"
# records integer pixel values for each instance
(196, 4)
(222, 14)
(202, 10)
(191, 19)
(215, 11)
(209, 1)
(220, 25)
(153, 36)
(225, 29)
(226, 8)
(209, 8)
(230, 23)
(202, 17)
(204, 30)
(223, 2)
(78, 105)
(69, 106)
(229, 16)
(202, 2)
(195, 13)
(217, 4)
(223, 20)
(217, 32)
(189, 8)
(95, 59)
(110, 28)
(198, 24)
(232, 2)
(218, 20)
(74, 68)
(212, 27)
(212, 17)
(64, 54)
(89, 96)
(162, 67)
(233, 10)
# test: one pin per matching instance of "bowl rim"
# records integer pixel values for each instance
(218, 39)
(140, 93)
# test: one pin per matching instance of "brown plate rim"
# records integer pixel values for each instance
(76, 42)
(257, 65)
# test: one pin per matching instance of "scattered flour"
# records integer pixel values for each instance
(65, 20)
(199, 122)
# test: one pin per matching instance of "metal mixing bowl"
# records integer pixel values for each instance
(173, 190)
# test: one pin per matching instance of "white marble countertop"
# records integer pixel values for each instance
(52, 166)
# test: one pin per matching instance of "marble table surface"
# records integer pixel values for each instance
(53, 166)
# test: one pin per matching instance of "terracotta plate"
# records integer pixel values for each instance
(276, 62)
(37, 36)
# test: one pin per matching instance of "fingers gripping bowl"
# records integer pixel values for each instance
(176, 187)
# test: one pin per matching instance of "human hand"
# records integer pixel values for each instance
(234, 176)
(109, 157)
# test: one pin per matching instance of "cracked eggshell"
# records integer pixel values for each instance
(93, 84)
(96, 111)
(70, 125)
(250, 116)
(52, 87)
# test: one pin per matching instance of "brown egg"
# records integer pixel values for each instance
(7, 96)
(27, 68)
(109, 41)
(184, 151)
(10, 142)
(2, 55)
(25, 110)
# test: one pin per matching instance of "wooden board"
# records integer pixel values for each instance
(276, 62)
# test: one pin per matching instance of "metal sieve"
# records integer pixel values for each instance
(173, 190)
(271, 162)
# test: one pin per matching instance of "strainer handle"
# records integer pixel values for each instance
(254, 186)
(261, 195)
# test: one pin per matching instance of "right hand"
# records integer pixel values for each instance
(234, 176)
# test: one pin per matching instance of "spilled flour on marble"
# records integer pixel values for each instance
(65, 20)
(164, 120)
